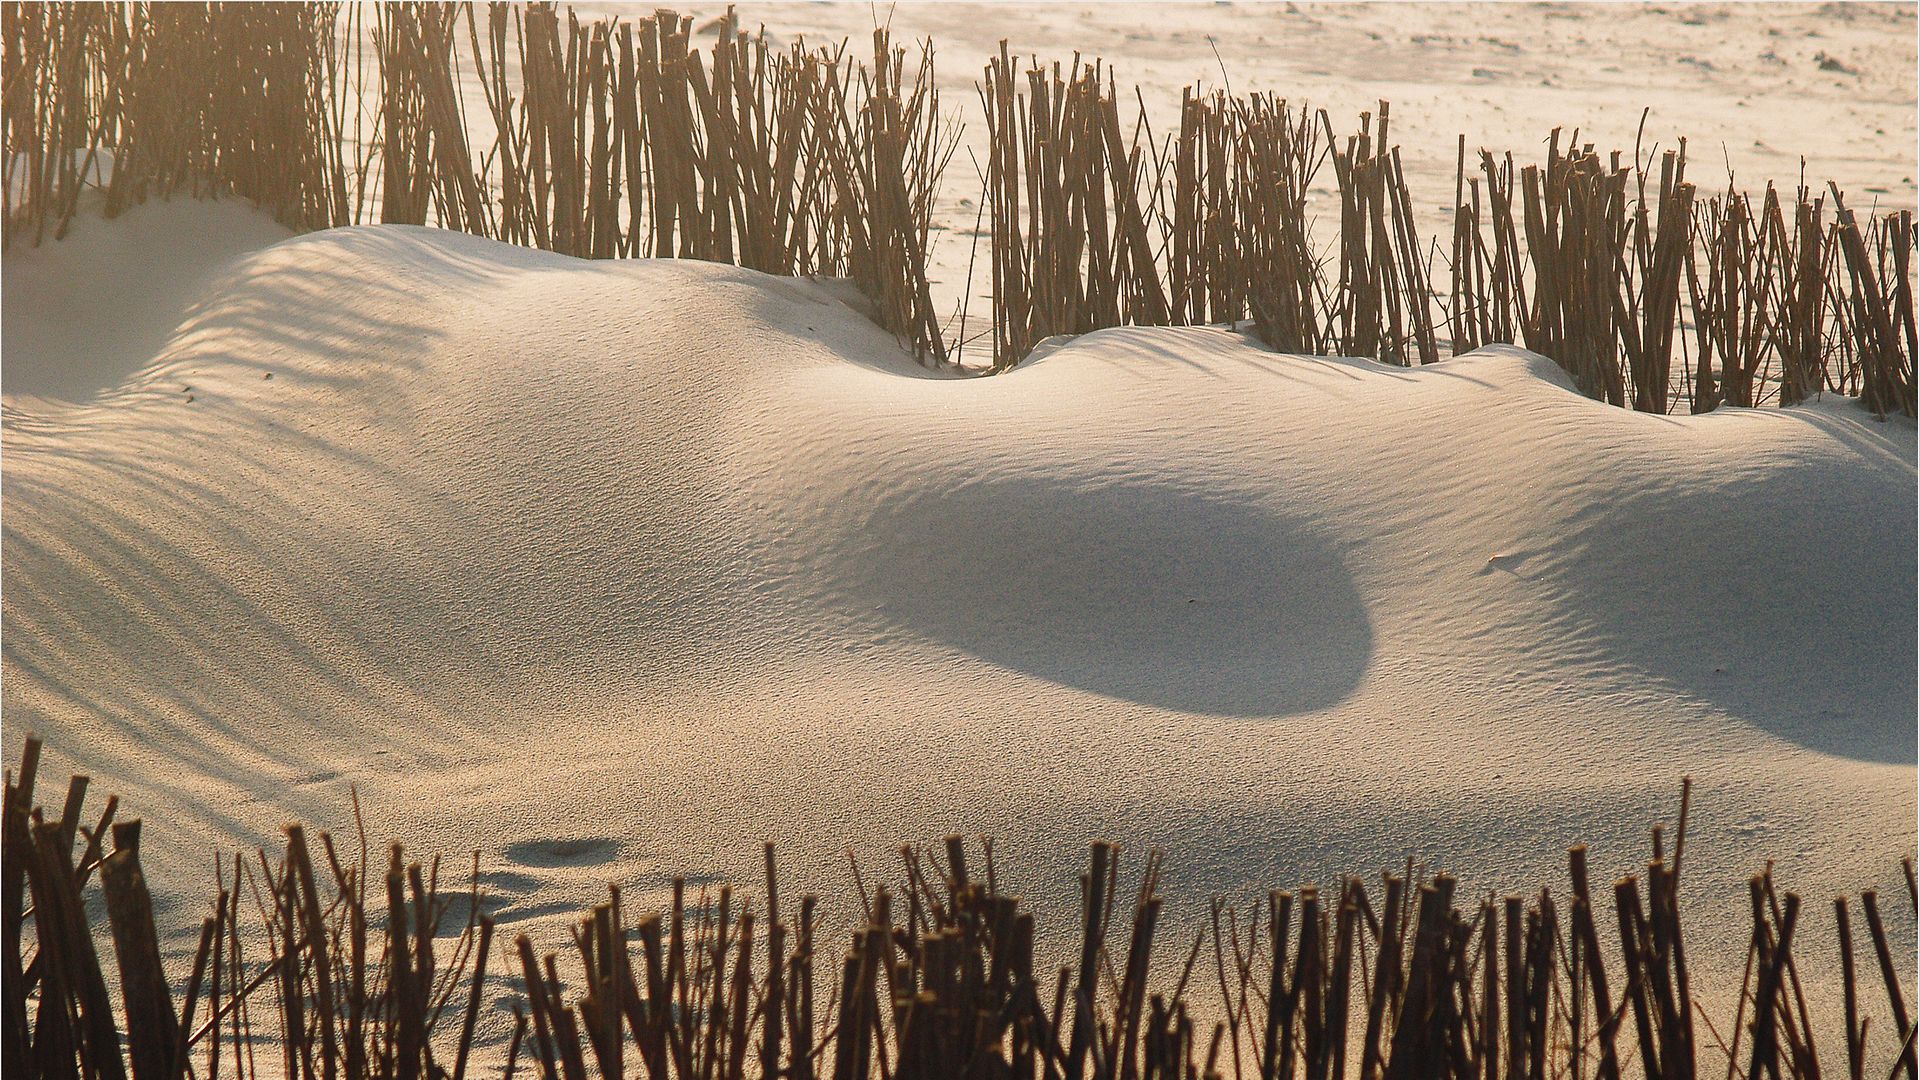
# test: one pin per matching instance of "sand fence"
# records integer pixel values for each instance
(374, 966)
(624, 138)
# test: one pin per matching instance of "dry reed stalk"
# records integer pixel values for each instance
(1660, 250)
(1186, 280)
(1382, 299)
(1086, 261)
(1468, 277)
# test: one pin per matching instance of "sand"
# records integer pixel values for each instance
(612, 570)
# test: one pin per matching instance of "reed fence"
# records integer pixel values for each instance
(623, 138)
(1576, 259)
(608, 139)
(323, 961)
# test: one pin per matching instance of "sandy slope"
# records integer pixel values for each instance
(84, 312)
(613, 569)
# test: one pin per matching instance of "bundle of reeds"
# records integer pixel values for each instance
(1075, 253)
(1385, 308)
(1576, 223)
(1279, 155)
(1732, 309)
(1801, 297)
(426, 169)
(886, 174)
(1489, 295)
(1876, 305)
(1202, 250)
(1659, 253)
(368, 972)
(52, 139)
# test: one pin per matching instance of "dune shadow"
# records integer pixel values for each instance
(1135, 591)
(1795, 614)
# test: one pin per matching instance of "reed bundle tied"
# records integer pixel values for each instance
(354, 965)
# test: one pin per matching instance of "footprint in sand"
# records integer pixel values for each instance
(558, 853)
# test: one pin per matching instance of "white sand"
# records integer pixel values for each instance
(611, 570)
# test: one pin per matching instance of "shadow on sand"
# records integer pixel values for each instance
(1138, 592)
(1791, 609)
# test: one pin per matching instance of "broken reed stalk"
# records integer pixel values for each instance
(939, 979)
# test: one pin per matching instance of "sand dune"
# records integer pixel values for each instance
(611, 569)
